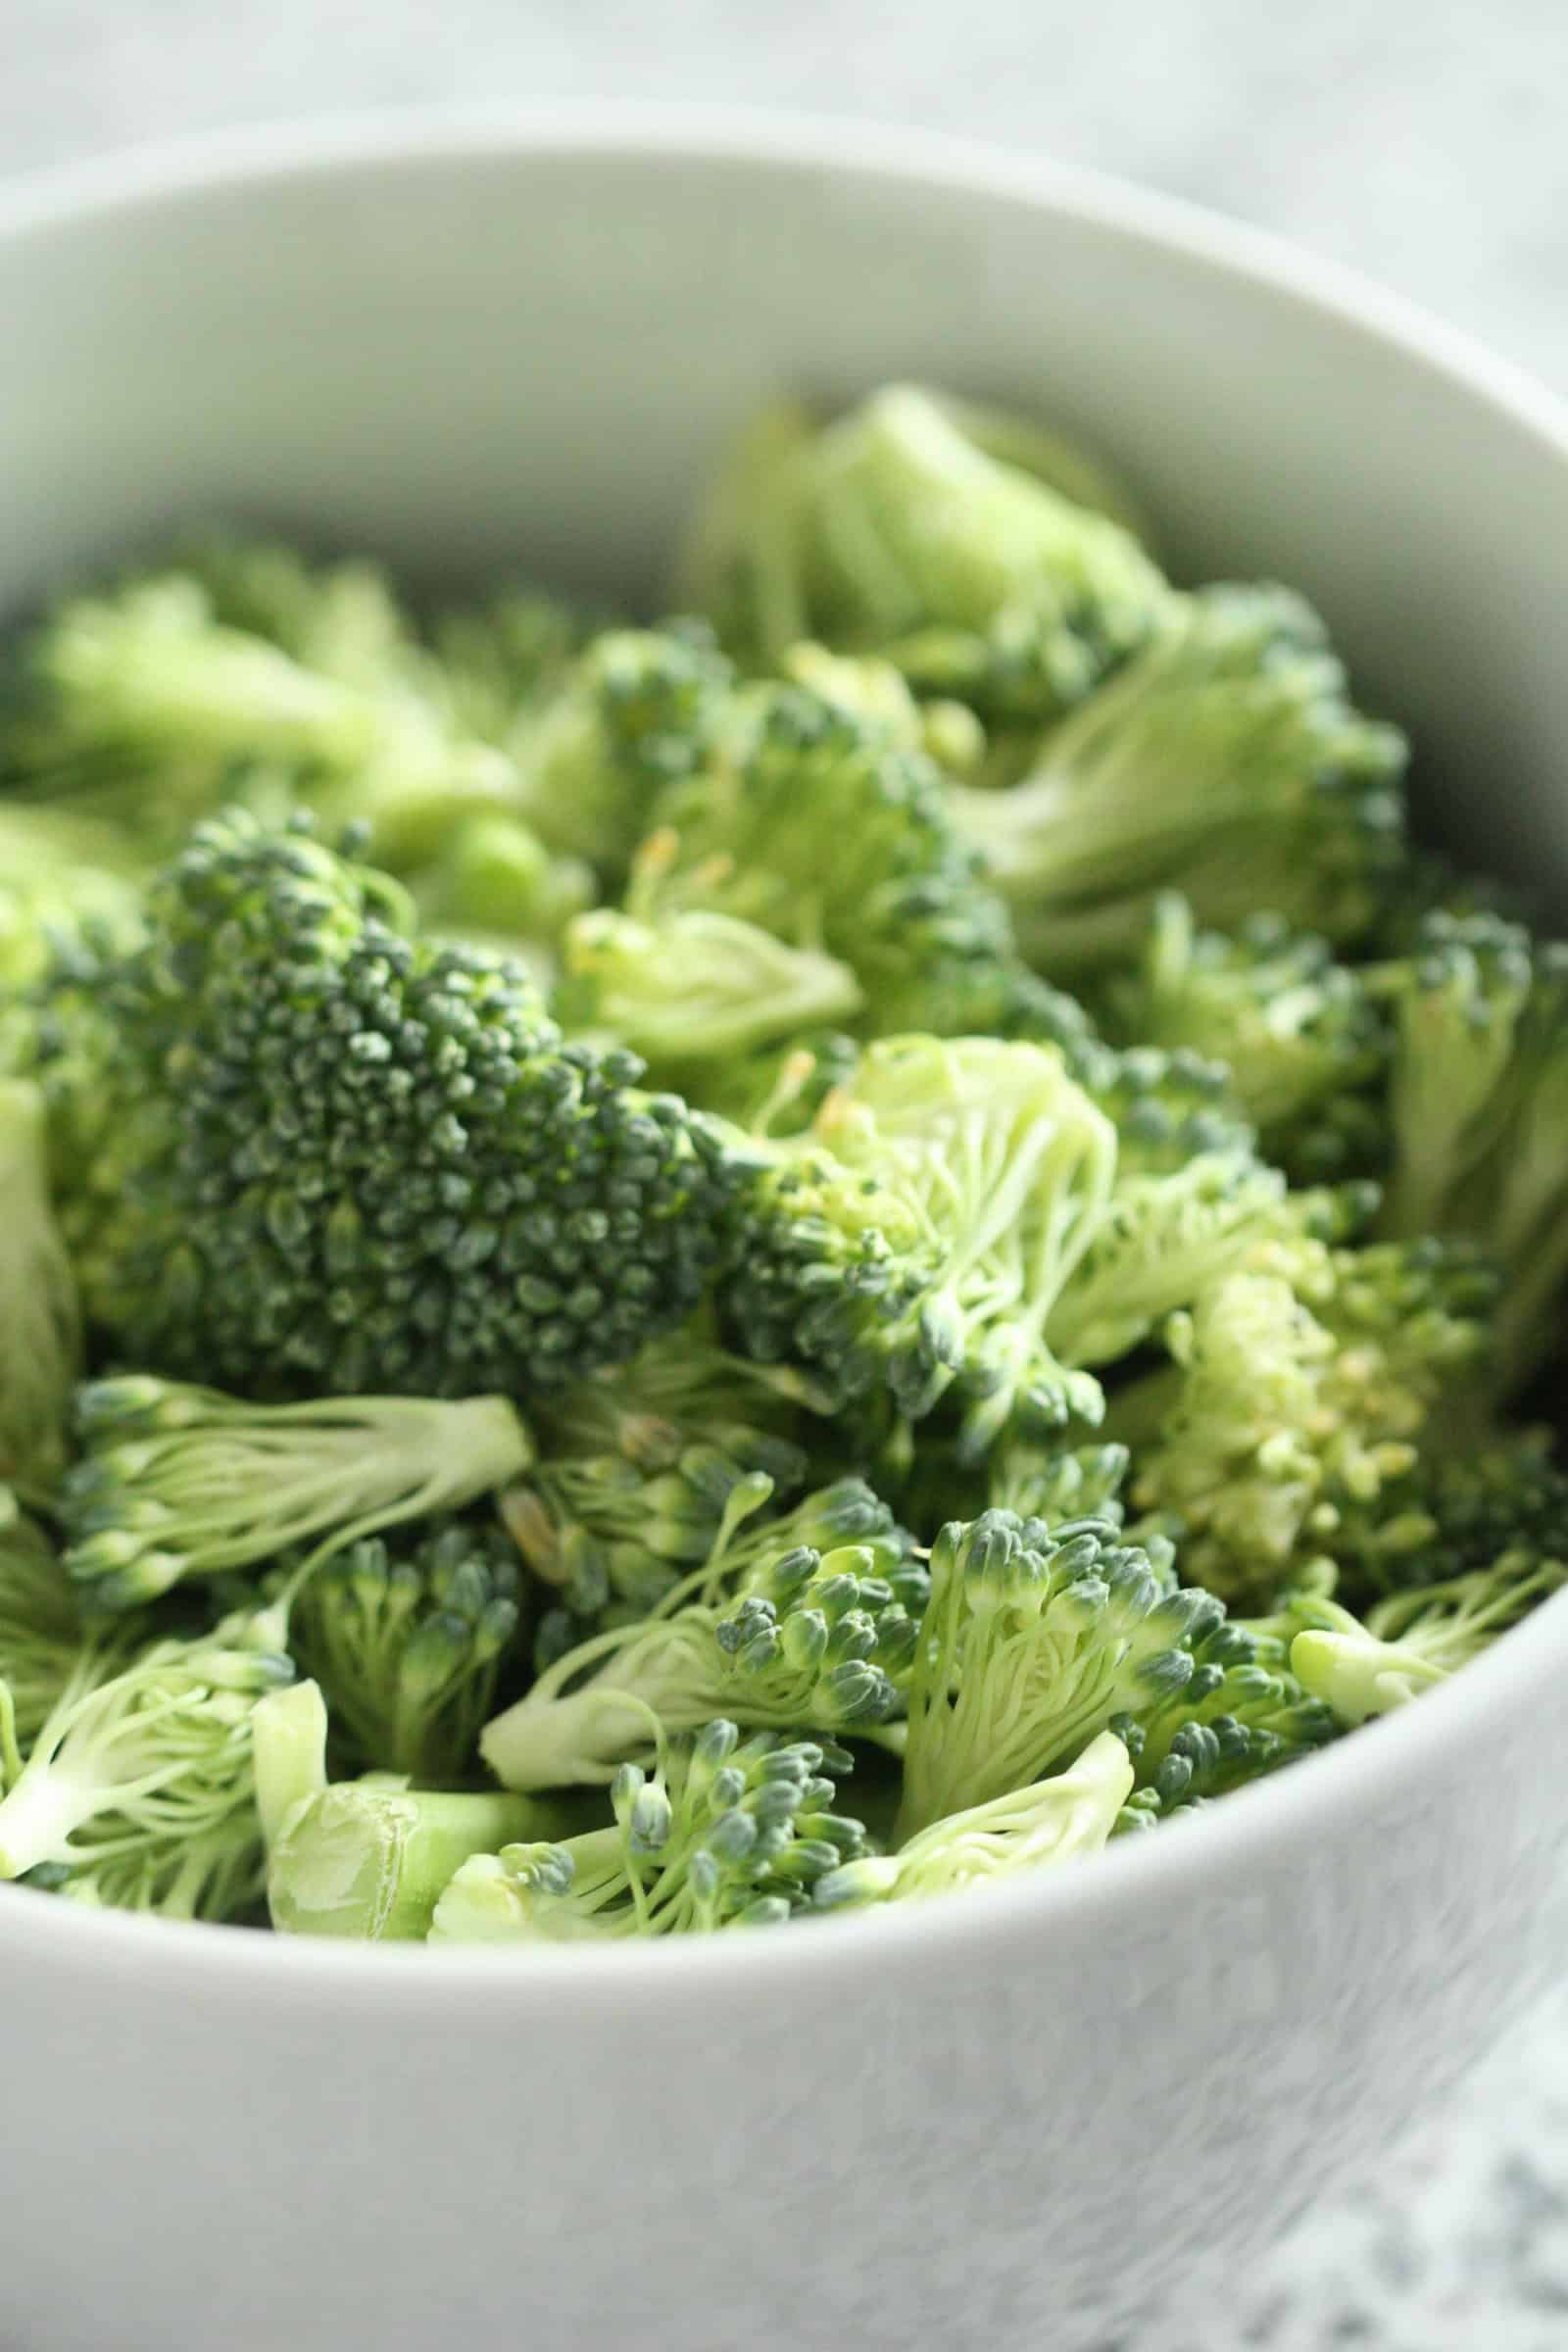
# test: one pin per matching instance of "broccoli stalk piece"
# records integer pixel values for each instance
(1050, 1821)
(333, 1161)
(40, 1335)
(139, 1756)
(369, 1858)
(726, 1832)
(1036, 1638)
(1413, 1640)
(897, 530)
(918, 1236)
(807, 1619)
(178, 1482)
(408, 1648)
(1296, 1397)
(1302, 1036)
(40, 1636)
(1224, 761)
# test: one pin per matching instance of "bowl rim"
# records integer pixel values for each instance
(1314, 1803)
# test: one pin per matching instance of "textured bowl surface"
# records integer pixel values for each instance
(999, 2122)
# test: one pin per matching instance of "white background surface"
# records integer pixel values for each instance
(1423, 141)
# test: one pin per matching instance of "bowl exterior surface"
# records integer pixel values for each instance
(1000, 2124)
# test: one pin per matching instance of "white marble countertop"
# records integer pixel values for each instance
(1420, 140)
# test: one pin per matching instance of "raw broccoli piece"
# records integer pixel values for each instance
(1036, 1638)
(139, 1758)
(779, 1090)
(1050, 1821)
(1478, 1104)
(1224, 761)
(896, 897)
(1241, 1713)
(178, 1482)
(331, 1161)
(917, 1238)
(1414, 1640)
(40, 1633)
(1301, 1036)
(807, 1619)
(1035, 1483)
(1455, 1513)
(493, 884)
(948, 732)
(409, 1644)
(60, 873)
(1297, 1395)
(40, 1332)
(365, 1858)
(638, 710)
(144, 703)
(894, 530)
(680, 1390)
(1167, 1107)
(727, 1833)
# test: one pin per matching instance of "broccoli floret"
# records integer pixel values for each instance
(917, 1238)
(1297, 1395)
(872, 690)
(40, 1337)
(898, 898)
(178, 1482)
(1167, 1107)
(144, 703)
(1302, 1037)
(1412, 1641)
(1455, 1513)
(1224, 761)
(141, 1756)
(365, 1858)
(894, 532)
(1478, 1104)
(807, 1619)
(1241, 1713)
(1036, 1637)
(408, 1645)
(332, 1161)
(1035, 1483)
(1050, 1821)
(727, 1833)
(40, 1635)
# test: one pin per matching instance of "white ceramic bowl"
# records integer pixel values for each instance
(994, 2123)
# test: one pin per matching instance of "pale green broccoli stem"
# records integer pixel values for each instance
(699, 987)
(41, 1324)
(1050, 1821)
(288, 1739)
(153, 1753)
(180, 1481)
(1412, 1641)
(491, 1899)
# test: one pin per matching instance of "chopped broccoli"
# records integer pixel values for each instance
(1301, 1036)
(40, 1337)
(1413, 1639)
(1167, 1107)
(895, 530)
(1224, 761)
(1241, 1713)
(917, 1238)
(1052, 1821)
(726, 1832)
(337, 1161)
(409, 1644)
(1036, 1638)
(178, 1482)
(139, 1757)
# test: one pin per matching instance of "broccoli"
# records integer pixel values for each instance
(1167, 1107)
(409, 1645)
(873, 691)
(1052, 1821)
(1224, 761)
(1241, 1713)
(333, 1161)
(1478, 1106)
(917, 1238)
(139, 1757)
(493, 884)
(898, 901)
(363, 1858)
(1302, 1037)
(147, 706)
(1036, 1638)
(40, 1337)
(909, 528)
(1413, 1639)
(727, 1833)
(178, 1482)
(1297, 1395)
(502, 659)
(60, 872)
(1455, 1513)
(40, 1633)
(805, 1620)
